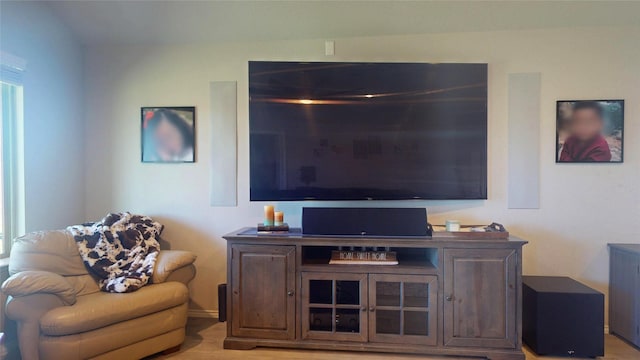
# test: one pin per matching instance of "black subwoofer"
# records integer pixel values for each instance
(561, 316)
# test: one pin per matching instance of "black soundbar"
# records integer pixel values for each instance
(365, 221)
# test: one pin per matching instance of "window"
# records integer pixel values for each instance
(11, 156)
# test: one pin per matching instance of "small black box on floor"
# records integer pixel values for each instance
(222, 302)
(561, 316)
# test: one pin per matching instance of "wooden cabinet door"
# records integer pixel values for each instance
(263, 291)
(334, 306)
(480, 297)
(403, 309)
(624, 296)
(637, 301)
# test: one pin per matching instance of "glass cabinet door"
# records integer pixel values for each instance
(334, 306)
(403, 308)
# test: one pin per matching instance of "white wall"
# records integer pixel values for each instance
(583, 207)
(53, 113)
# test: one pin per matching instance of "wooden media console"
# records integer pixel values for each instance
(447, 296)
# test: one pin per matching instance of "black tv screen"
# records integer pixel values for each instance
(367, 131)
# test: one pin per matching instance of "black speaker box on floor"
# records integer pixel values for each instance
(561, 316)
(222, 302)
(365, 221)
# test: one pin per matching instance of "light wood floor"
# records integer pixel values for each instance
(204, 341)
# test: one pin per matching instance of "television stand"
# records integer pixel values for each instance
(459, 297)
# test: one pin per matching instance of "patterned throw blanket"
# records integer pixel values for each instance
(120, 250)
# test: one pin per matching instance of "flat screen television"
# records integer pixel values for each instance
(367, 131)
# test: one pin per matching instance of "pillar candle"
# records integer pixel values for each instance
(268, 215)
(279, 218)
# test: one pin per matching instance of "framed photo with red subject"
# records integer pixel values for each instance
(589, 131)
(168, 134)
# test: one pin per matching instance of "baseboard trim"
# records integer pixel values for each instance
(209, 314)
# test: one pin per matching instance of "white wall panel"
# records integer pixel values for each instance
(524, 141)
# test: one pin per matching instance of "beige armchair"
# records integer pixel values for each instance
(61, 313)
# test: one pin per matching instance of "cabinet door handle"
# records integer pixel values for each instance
(363, 309)
(372, 308)
(449, 297)
(290, 293)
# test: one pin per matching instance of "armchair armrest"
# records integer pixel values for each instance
(26, 311)
(39, 282)
(169, 261)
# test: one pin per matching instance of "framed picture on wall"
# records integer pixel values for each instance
(589, 131)
(168, 134)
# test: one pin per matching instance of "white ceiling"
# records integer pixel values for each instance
(180, 22)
